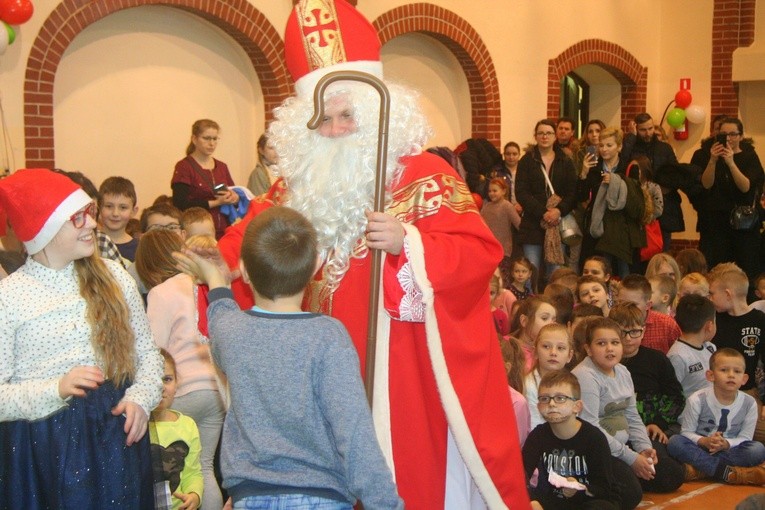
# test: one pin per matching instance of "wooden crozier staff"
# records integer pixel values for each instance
(379, 204)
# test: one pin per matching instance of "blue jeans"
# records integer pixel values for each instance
(534, 253)
(290, 502)
(747, 454)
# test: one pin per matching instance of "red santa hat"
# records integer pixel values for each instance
(37, 203)
(324, 36)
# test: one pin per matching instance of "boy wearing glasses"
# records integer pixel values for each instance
(571, 457)
(658, 395)
(661, 330)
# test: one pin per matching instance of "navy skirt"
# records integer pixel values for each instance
(75, 459)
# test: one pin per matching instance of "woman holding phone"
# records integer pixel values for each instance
(588, 144)
(200, 180)
(596, 171)
(732, 177)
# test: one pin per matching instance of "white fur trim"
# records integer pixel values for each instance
(454, 413)
(306, 85)
(381, 394)
(70, 205)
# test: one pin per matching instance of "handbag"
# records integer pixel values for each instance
(654, 241)
(653, 238)
(570, 233)
(745, 217)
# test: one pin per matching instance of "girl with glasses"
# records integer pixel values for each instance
(79, 371)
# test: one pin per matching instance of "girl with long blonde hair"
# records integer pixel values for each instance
(79, 372)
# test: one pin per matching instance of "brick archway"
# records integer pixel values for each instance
(611, 57)
(464, 42)
(238, 18)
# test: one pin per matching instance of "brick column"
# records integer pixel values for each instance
(732, 28)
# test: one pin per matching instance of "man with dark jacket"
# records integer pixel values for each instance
(659, 154)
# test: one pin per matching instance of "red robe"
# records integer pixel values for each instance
(441, 360)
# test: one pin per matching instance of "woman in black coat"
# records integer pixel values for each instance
(532, 192)
(733, 177)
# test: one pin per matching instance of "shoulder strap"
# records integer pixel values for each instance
(205, 176)
(547, 179)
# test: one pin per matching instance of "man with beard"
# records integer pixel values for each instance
(442, 409)
(659, 153)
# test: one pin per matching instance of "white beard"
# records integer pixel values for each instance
(331, 180)
(333, 187)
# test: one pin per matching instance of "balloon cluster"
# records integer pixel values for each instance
(12, 12)
(685, 110)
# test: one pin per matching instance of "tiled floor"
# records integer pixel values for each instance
(700, 496)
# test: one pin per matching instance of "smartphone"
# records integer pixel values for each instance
(722, 139)
(592, 150)
(219, 188)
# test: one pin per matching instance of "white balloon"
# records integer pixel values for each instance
(695, 114)
(4, 38)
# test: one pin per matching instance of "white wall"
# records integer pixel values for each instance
(424, 64)
(605, 94)
(130, 86)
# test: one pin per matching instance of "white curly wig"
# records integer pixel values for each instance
(331, 180)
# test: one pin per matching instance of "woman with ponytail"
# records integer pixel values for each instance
(200, 180)
(79, 372)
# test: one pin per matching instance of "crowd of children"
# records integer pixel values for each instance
(647, 398)
(663, 376)
(619, 385)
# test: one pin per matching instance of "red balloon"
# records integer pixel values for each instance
(16, 12)
(683, 98)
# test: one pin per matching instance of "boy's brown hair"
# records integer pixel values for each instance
(693, 311)
(666, 286)
(279, 252)
(589, 279)
(562, 299)
(195, 215)
(731, 277)
(637, 282)
(627, 314)
(561, 272)
(725, 352)
(161, 208)
(119, 186)
(559, 378)
(584, 310)
(602, 323)
(552, 328)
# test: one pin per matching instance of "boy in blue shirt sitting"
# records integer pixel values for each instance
(299, 432)
(718, 426)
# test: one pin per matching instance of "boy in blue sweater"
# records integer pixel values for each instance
(718, 425)
(299, 432)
